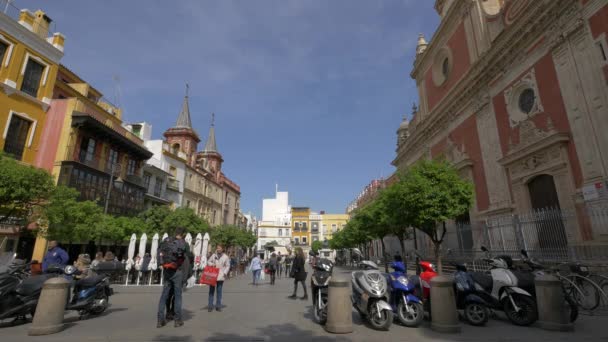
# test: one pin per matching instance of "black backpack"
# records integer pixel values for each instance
(171, 251)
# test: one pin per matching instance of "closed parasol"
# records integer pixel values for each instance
(142, 251)
(131, 252)
(198, 246)
(153, 253)
(189, 240)
(204, 251)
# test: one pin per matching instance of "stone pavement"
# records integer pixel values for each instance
(265, 314)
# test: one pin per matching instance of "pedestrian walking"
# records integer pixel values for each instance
(273, 264)
(256, 267)
(298, 273)
(220, 260)
(98, 259)
(55, 256)
(288, 262)
(281, 261)
(173, 252)
(233, 266)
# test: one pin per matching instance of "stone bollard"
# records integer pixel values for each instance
(48, 318)
(443, 305)
(552, 313)
(339, 307)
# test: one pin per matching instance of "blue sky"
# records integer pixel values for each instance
(307, 93)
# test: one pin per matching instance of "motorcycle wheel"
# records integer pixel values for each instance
(100, 309)
(413, 318)
(319, 315)
(476, 314)
(527, 313)
(379, 323)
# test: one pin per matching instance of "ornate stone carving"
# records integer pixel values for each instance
(529, 134)
(454, 153)
(541, 160)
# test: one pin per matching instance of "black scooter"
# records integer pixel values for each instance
(469, 297)
(320, 286)
(20, 295)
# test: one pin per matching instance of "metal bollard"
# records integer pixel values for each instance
(443, 305)
(552, 313)
(339, 307)
(48, 318)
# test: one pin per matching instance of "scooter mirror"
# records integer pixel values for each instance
(483, 248)
(524, 253)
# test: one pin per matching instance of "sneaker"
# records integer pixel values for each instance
(305, 297)
(218, 309)
(292, 297)
(160, 324)
(210, 309)
(178, 323)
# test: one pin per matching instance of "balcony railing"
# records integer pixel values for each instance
(173, 184)
(135, 179)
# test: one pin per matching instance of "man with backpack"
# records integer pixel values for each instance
(173, 252)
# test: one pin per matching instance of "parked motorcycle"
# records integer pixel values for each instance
(90, 296)
(370, 296)
(320, 285)
(405, 304)
(20, 295)
(502, 291)
(468, 297)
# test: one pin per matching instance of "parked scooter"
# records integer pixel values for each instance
(405, 304)
(370, 296)
(468, 297)
(502, 291)
(320, 285)
(536, 270)
(20, 295)
(90, 296)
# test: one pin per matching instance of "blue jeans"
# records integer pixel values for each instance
(219, 286)
(256, 276)
(172, 280)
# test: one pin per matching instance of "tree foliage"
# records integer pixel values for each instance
(23, 189)
(161, 219)
(232, 236)
(316, 245)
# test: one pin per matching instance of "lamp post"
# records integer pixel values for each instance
(110, 183)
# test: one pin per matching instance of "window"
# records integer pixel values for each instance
(158, 187)
(136, 129)
(315, 238)
(87, 150)
(16, 136)
(296, 241)
(445, 67)
(600, 44)
(286, 232)
(3, 48)
(173, 171)
(175, 148)
(187, 203)
(112, 158)
(334, 227)
(526, 100)
(147, 178)
(280, 232)
(131, 166)
(31, 77)
(304, 239)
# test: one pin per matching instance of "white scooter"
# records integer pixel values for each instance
(370, 296)
(503, 291)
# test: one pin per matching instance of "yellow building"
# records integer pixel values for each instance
(300, 225)
(29, 60)
(332, 223)
(28, 68)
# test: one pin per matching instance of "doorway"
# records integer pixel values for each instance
(548, 218)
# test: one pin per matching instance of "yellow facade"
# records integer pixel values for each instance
(331, 223)
(300, 227)
(17, 104)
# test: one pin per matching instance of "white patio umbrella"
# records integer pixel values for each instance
(164, 237)
(198, 246)
(189, 240)
(153, 252)
(130, 255)
(204, 251)
(142, 251)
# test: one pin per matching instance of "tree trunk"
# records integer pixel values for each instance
(438, 257)
(383, 254)
(401, 238)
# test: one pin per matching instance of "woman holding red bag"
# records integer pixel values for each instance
(220, 260)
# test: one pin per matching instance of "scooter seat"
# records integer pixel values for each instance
(525, 280)
(483, 279)
(89, 281)
(32, 284)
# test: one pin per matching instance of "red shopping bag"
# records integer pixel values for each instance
(210, 275)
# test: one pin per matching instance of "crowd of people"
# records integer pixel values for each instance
(177, 261)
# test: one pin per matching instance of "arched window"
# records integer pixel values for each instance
(175, 148)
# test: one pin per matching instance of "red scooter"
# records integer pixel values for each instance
(428, 272)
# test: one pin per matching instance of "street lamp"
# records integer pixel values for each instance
(118, 181)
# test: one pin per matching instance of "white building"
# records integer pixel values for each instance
(276, 221)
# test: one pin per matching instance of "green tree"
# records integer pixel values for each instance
(161, 219)
(23, 189)
(316, 246)
(432, 192)
(69, 219)
(154, 218)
